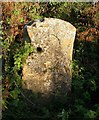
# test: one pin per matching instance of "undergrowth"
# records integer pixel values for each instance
(84, 100)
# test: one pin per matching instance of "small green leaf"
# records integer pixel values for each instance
(14, 94)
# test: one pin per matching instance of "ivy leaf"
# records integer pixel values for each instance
(14, 94)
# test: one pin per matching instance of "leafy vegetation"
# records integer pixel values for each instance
(84, 100)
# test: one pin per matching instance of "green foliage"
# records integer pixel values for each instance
(97, 15)
(15, 12)
(19, 60)
(14, 93)
(64, 115)
(90, 115)
(83, 101)
(22, 20)
(21, 55)
(8, 20)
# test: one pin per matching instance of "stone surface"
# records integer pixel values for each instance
(47, 70)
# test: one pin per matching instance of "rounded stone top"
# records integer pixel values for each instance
(42, 30)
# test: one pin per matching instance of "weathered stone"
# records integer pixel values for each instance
(48, 69)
